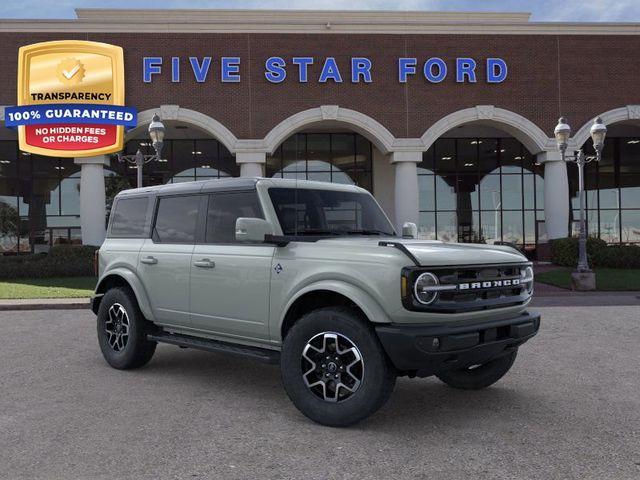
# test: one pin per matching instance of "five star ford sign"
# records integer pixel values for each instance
(70, 99)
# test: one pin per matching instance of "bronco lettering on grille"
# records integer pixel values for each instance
(507, 282)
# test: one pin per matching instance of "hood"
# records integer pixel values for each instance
(437, 253)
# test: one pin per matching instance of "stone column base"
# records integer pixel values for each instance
(583, 281)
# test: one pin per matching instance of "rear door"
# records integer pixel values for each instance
(230, 280)
(165, 259)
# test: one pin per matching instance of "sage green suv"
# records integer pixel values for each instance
(311, 276)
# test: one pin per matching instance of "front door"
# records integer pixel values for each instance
(229, 279)
(164, 264)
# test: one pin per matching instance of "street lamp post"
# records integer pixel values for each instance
(562, 133)
(156, 133)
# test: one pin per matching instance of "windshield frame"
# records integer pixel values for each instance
(376, 224)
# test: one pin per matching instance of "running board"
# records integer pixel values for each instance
(260, 354)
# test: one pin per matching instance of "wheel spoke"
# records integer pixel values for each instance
(332, 366)
(116, 327)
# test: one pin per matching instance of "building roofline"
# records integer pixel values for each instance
(310, 21)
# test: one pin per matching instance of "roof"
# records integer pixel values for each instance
(310, 21)
(233, 183)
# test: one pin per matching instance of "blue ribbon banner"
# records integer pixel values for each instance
(70, 113)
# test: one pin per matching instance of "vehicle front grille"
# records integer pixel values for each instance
(475, 287)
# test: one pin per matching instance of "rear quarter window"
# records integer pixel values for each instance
(129, 218)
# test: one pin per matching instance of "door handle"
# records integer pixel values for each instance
(204, 263)
(149, 260)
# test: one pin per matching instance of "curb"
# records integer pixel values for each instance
(45, 304)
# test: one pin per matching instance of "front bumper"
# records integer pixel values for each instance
(424, 350)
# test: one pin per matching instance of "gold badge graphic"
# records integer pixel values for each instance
(70, 71)
(70, 98)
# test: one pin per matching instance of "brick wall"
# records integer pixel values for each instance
(578, 76)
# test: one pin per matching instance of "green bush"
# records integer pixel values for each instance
(564, 252)
(61, 261)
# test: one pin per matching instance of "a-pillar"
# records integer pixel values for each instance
(251, 163)
(556, 194)
(406, 187)
(93, 210)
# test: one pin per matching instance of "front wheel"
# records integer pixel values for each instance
(334, 369)
(477, 377)
(122, 331)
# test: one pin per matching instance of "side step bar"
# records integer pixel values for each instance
(260, 354)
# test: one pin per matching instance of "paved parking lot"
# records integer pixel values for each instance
(570, 408)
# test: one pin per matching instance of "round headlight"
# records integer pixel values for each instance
(422, 288)
(526, 278)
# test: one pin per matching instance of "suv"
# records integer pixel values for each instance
(311, 276)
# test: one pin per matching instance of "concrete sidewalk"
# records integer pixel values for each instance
(44, 304)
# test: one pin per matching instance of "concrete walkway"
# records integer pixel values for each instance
(44, 304)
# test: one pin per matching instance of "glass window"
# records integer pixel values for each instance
(8, 159)
(326, 157)
(176, 219)
(445, 156)
(427, 193)
(327, 212)
(427, 227)
(318, 152)
(511, 192)
(487, 155)
(609, 225)
(445, 194)
(630, 190)
(182, 162)
(630, 222)
(129, 218)
(223, 211)
(511, 155)
(447, 226)
(512, 229)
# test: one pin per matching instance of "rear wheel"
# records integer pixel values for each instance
(477, 377)
(334, 368)
(122, 331)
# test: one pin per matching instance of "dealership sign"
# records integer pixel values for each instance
(70, 99)
(323, 70)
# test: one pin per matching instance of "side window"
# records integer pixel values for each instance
(224, 209)
(129, 218)
(176, 219)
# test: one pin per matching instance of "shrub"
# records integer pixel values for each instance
(564, 252)
(61, 261)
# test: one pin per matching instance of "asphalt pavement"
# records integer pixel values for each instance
(569, 408)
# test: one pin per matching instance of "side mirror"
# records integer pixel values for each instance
(409, 230)
(249, 229)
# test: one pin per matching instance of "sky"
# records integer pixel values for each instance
(542, 10)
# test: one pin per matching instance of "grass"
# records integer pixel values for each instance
(606, 278)
(67, 287)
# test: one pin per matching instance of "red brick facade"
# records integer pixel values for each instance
(578, 76)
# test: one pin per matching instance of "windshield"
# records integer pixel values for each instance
(328, 212)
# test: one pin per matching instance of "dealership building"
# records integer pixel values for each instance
(447, 118)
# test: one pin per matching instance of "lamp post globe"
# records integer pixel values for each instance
(598, 132)
(156, 133)
(562, 133)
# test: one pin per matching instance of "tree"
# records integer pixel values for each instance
(9, 221)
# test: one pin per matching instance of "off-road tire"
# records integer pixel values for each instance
(137, 350)
(378, 375)
(481, 376)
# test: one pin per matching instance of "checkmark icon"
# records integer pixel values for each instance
(71, 73)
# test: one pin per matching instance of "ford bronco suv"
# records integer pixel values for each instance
(311, 276)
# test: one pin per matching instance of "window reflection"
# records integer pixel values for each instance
(479, 190)
(612, 191)
(327, 157)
